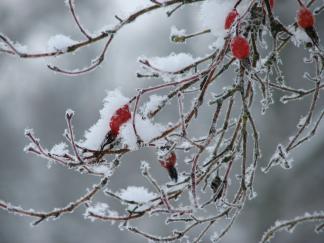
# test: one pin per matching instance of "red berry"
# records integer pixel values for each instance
(169, 164)
(272, 3)
(305, 18)
(230, 19)
(121, 116)
(240, 47)
(170, 161)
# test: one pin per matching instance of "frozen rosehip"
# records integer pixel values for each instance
(231, 17)
(169, 163)
(240, 47)
(121, 116)
(305, 18)
(272, 3)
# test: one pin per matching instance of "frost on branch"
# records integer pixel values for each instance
(154, 103)
(167, 66)
(60, 149)
(290, 225)
(135, 196)
(280, 157)
(211, 175)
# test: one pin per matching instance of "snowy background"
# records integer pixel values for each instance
(32, 96)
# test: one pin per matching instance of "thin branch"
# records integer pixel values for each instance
(76, 19)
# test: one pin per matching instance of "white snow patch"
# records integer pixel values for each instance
(154, 102)
(137, 194)
(173, 62)
(60, 149)
(127, 7)
(218, 44)
(3, 46)
(104, 169)
(176, 31)
(99, 208)
(145, 129)
(299, 36)
(59, 43)
(21, 48)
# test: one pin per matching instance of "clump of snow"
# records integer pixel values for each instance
(145, 129)
(60, 149)
(218, 44)
(137, 194)
(213, 14)
(185, 145)
(100, 209)
(173, 62)
(59, 43)
(21, 48)
(104, 169)
(299, 36)
(126, 7)
(176, 31)
(113, 101)
(154, 102)
(3, 46)
(96, 134)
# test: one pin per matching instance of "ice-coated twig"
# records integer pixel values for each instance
(56, 212)
(289, 225)
(95, 63)
(76, 19)
(69, 114)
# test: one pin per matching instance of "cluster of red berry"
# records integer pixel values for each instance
(240, 49)
(121, 116)
(239, 44)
